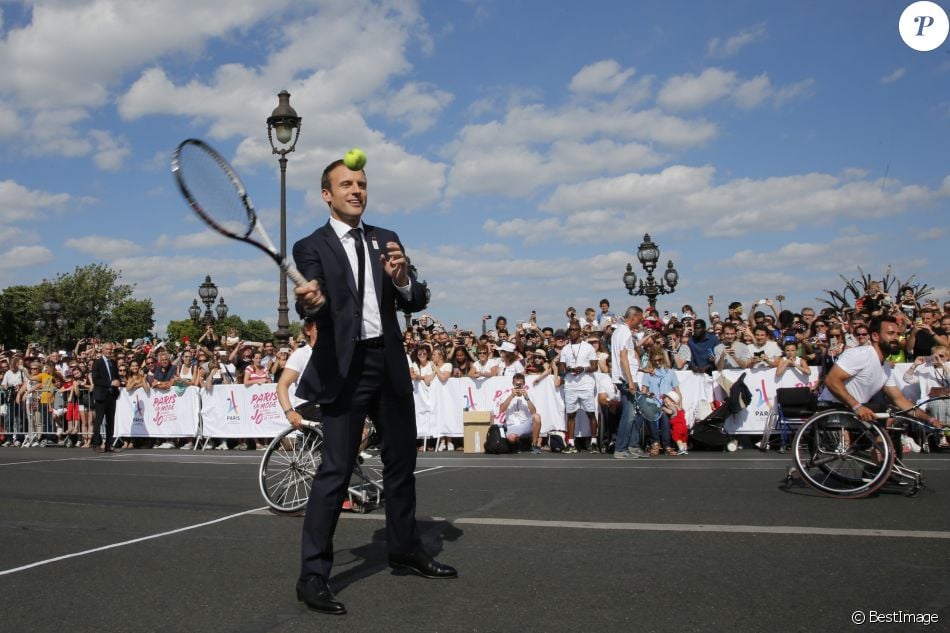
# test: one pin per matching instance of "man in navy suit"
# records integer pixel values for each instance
(105, 391)
(359, 278)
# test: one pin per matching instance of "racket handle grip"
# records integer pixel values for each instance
(294, 274)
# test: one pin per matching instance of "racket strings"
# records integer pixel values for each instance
(216, 192)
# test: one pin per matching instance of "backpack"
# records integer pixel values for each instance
(496, 443)
(556, 441)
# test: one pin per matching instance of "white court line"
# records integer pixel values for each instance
(793, 530)
(64, 459)
(123, 543)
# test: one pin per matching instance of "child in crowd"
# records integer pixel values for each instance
(678, 431)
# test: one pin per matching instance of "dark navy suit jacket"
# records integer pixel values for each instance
(320, 256)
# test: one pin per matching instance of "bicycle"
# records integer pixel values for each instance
(839, 455)
(291, 461)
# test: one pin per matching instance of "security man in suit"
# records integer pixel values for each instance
(105, 392)
(359, 277)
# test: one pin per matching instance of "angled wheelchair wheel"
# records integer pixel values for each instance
(840, 456)
(288, 467)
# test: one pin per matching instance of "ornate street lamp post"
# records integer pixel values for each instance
(285, 125)
(649, 254)
(54, 321)
(208, 292)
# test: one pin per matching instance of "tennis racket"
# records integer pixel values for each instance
(215, 192)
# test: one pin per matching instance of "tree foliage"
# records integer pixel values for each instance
(252, 330)
(92, 302)
(18, 309)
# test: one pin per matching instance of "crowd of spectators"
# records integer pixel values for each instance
(742, 336)
(46, 398)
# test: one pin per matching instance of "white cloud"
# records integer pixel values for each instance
(111, 152)
(10, 122)
(798, 90)
(603, 77)
(103, 247)
(681, 198)
(835, 255)
(201, 240)
(752, 93)
(692, 92)
(20, 203)
(26, 256)
(16, 235)
(416, 104)
(329, 79)
(894, 76)
(533, 146)
(71, 53)
(932, 233)
(732, 45)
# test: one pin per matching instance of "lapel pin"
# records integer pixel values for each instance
(375, 244)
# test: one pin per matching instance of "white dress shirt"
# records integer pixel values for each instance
(372, 321)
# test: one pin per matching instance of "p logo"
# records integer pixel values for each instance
(924, 26)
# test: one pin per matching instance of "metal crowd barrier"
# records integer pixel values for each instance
(33, 423)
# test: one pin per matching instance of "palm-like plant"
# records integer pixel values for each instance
(856, 288)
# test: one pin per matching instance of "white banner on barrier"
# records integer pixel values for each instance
(157, 414)
(239, 411)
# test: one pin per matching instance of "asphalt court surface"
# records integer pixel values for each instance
(176, 541)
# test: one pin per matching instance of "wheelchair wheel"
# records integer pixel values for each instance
(840, 456)
(288, 467)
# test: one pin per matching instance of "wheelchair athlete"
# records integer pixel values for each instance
(862, 375)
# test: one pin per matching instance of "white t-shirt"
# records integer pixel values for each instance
(770, 350)
(740, 351)
(868, 375)
(298, 362)
(486, 367)
(605, 385)
(13, 378)
(518, 412)
(929, 377)
(621, 342)
(579, 354)
(516, 367)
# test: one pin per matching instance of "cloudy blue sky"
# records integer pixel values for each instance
(521, 149)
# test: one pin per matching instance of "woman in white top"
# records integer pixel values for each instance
(484, 366)
(602, 356)
(421, 368)
(186, 368)
(510, 365)
(933, 376)
(443, 371)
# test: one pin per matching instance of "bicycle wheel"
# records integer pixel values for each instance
(288, 467)
(840, 456)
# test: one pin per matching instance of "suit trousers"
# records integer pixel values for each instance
(104, 409)
(367, 391)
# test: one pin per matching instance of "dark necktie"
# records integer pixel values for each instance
(361, 264)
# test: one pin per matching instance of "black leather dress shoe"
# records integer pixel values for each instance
(422, 564)
(316, 594)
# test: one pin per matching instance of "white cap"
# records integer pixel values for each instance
(507, 346)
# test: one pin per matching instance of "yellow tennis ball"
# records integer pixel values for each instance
(355, 159)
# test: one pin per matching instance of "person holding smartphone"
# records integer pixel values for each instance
(765, 352)
(521, 416)
(731, 353)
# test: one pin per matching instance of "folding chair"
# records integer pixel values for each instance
(793, 405)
